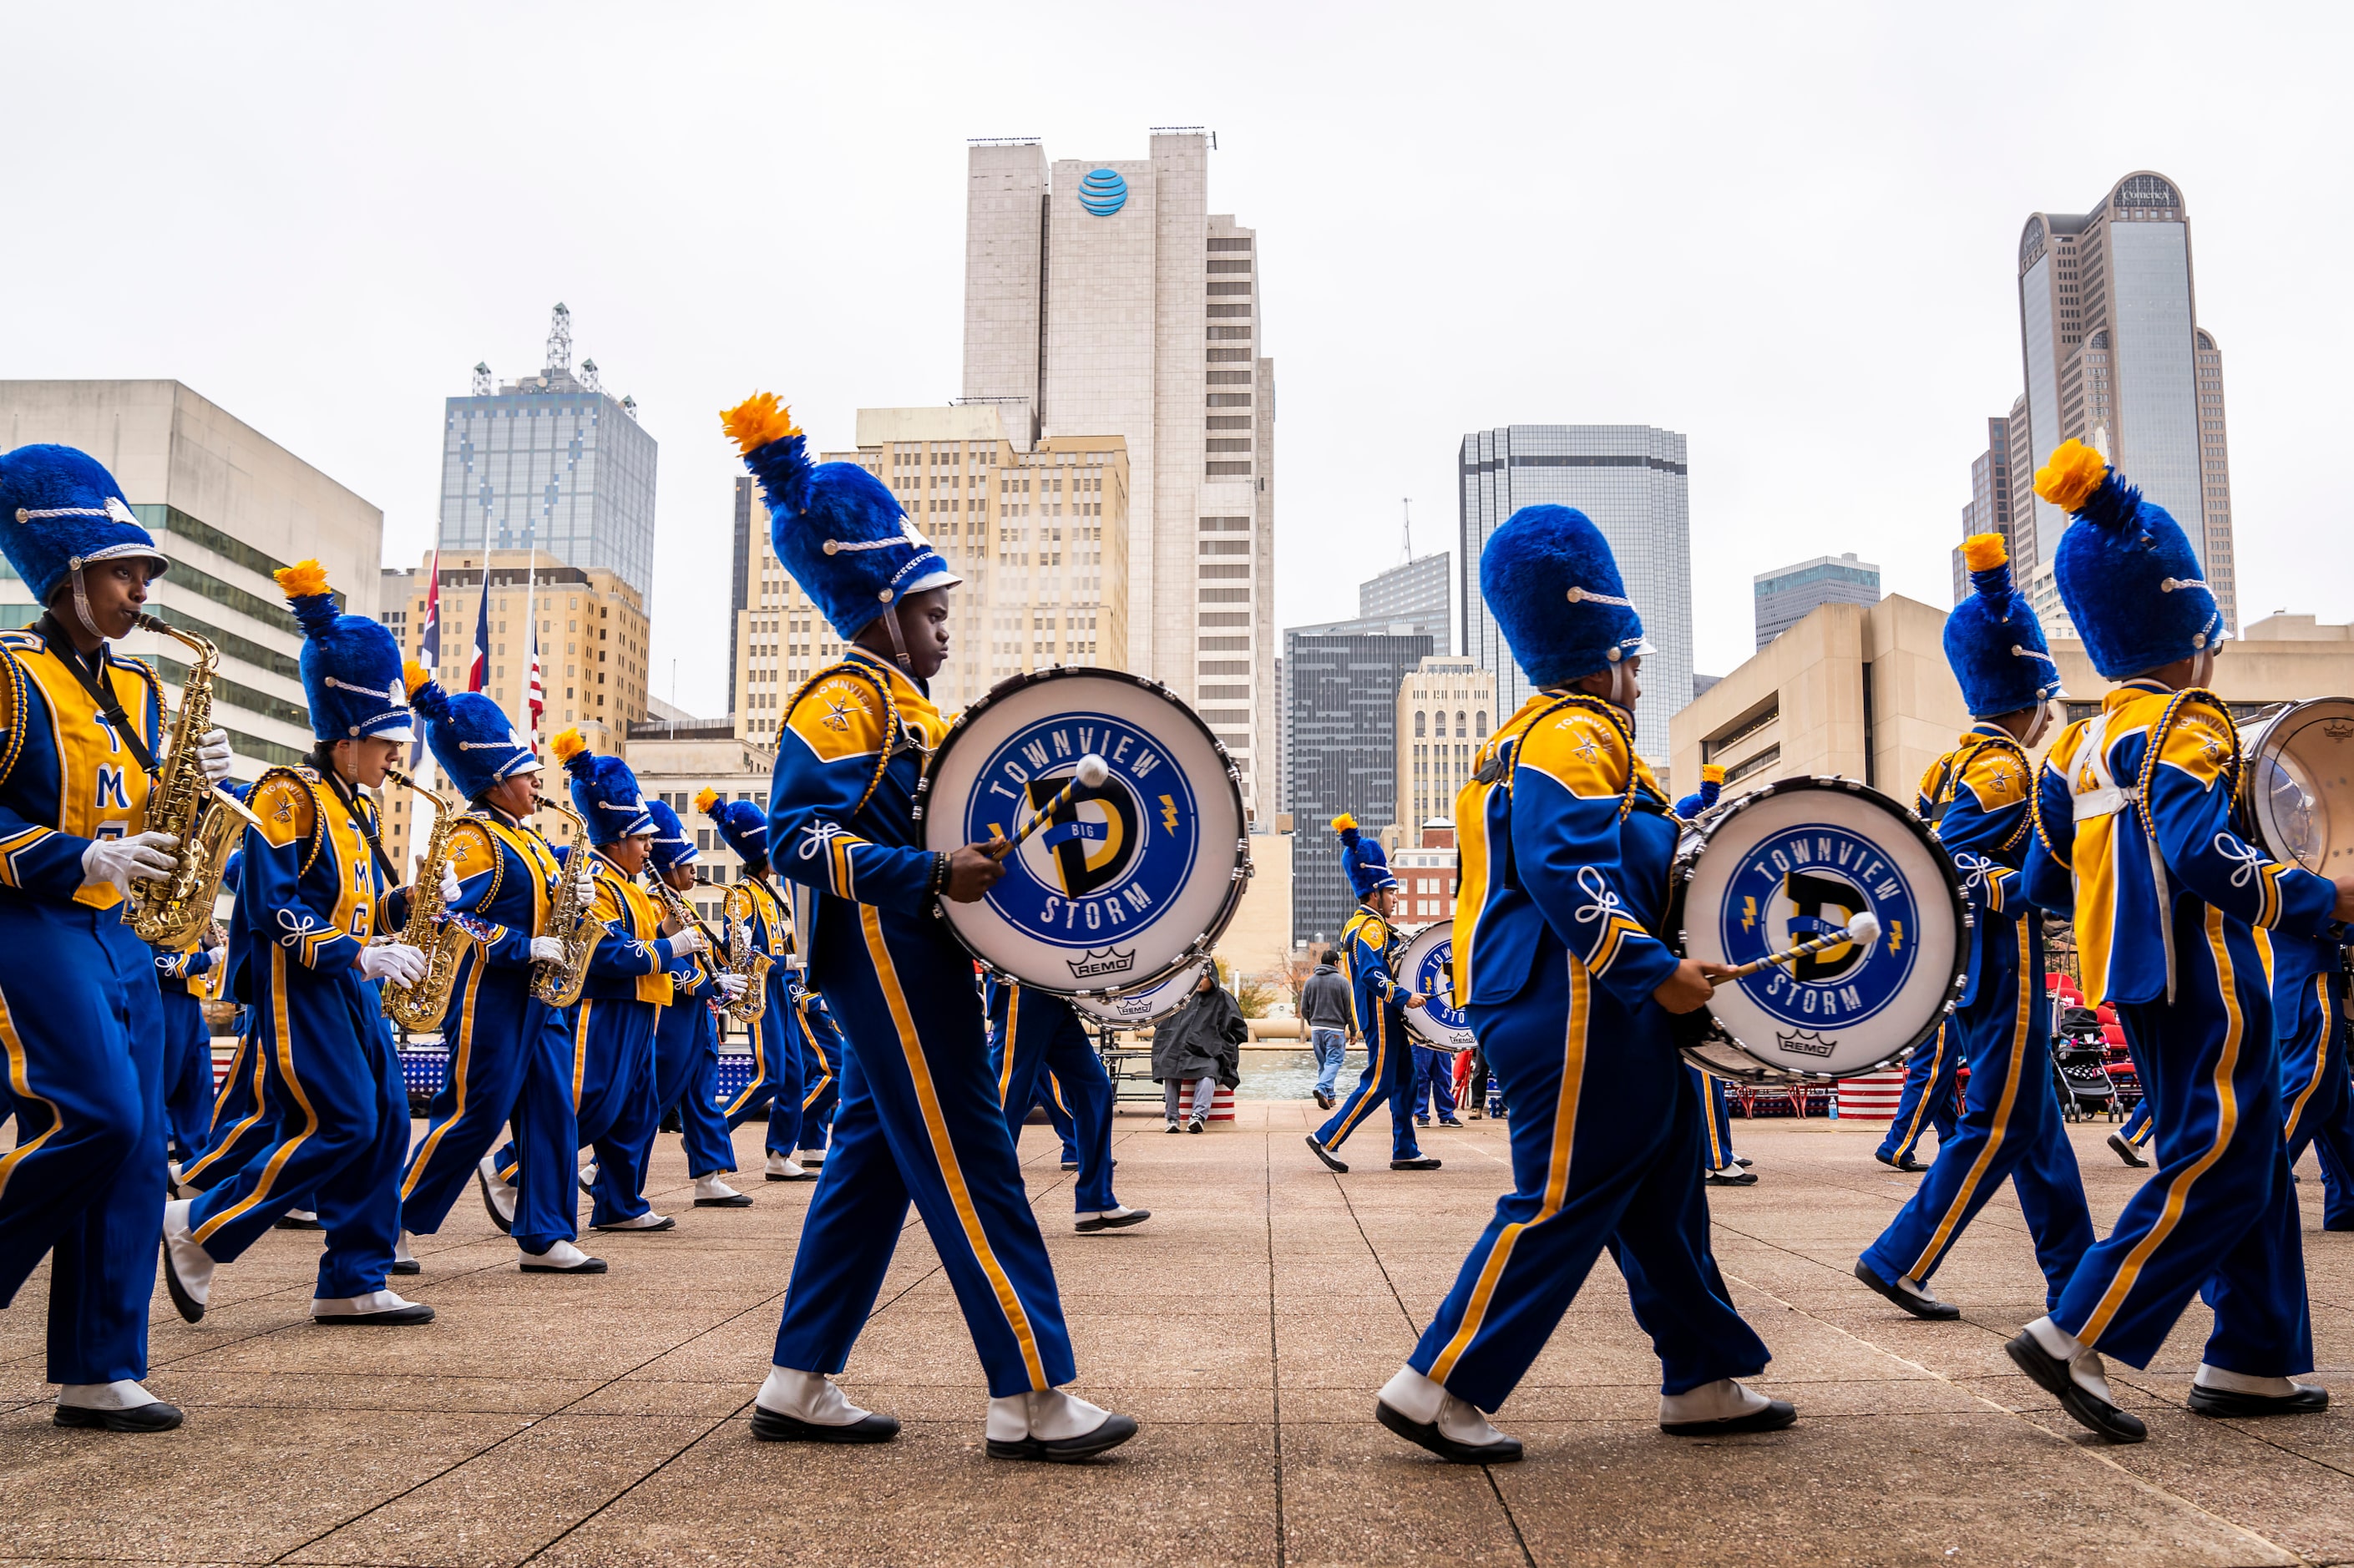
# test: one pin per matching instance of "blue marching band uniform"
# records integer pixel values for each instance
(781, 1051)
(1719, 1165)
(686, 1035)
(1370, 951)
(1037, 1039)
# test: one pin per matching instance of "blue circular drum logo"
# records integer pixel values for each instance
(1433, 977)
(1804, 882)
(1109, 862)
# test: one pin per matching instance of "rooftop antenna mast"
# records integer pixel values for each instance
(559, 339)
(1405, 550)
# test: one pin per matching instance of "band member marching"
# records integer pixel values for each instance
(80, 1017)
(919, 1117)
(776, 1086)
(1368, 954)
(1567, 841)
(315, 893)
(686, 1035)
(2175, 917)
(185, 976)
(1720, 1167)
(505, 1046)
(820, 1045)
(1033, 1035)
(1977, 799)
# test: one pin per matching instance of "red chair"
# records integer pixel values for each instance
(2115, 1033)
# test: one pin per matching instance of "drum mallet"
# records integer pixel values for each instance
(1091, 771)
(1863, 930)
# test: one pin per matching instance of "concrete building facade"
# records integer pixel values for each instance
(1631, 481)
(1421, 592)
(1342, 683)
(228, 506)
(1788, 595)
(1446, 708)
(1106, 298)
(676, 762)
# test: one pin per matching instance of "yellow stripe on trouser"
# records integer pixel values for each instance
(1564, 1132)
(759, 1032)
(282, 1021)
(1012, 1032)
(1381, 1075)
(2227, 1121)
(2320, 1059)
(2020, 1020)
(824, 1067)
(1708, 1114)
(456, 1082)
(581, 1056)
(1921, 1106)
(229, 1139)
(21, 1085)
(944, 1152)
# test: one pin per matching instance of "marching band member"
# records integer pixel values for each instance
(505, 1046)
(2176, 916)
(1931, 1071)
(1369, 949)
(313, 895)
(820, 1045)
(2308, 1003)
(686, 1036)
(1720, 1167)
(1035, 1034)
(776, 1085)
(1977, 800)
(84, 1021)
(2130, 1139)
(1566, 843)
(610, 1028)
(920, 1117)
(184, 976)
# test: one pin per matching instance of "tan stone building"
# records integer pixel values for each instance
(1446, 709)
(1039, 536)
(1864, 692)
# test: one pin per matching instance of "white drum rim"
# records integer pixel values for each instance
(2261, 742)
(1205, 941)
(1098, 1008)
(1426, 1028)
(1701, 1031)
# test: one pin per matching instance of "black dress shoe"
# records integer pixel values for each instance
(769, 1427)
(1449, 1121)
(505, 1225)
(1070, 1165)
(1111, 1222)
(1426, 1435)
(390, 1318)
(1420, 1163)
(733, 1201)
(2224, 1404)
(1909, 1165)
(668, 1223)
(407, 1266)
(191, 1311)
(1777, 1414)
(1927, 1307)
(2050, 1374)
(1115, 1430)
(157, 1417)
(289, 1222)
(2127, 1152)
(1743, 1161)
(1737, 1176)
(590, 1265)
(1331, 1159)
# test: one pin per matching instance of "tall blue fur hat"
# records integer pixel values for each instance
(674, 845)
(1362, 858)
(835, 526)
(741, 825)
(2128, 573)
(1550, 578)
(60, 509)
(1712, 785)
(604, 790)
(469, 735)
(351, 665)
(1993, 640)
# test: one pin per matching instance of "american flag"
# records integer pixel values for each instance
(535, 693)
(429, 647)
(478, 671)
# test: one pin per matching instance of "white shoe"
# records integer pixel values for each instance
(188, 1267)
(783, 1169)
(1051, 1425)
(375, 1307)
(811, 1157)
(1428, 1403)
(500, 1193)
(806, 1396)
(404, 1256)
(562, 1258)
(1724, 1400)
(1089, 1223)
(122, 1395)
(649, 1220)
(2224, 1381)
(587, 1177)
(711, 1190)
(2086, 1368)
(119, 1406)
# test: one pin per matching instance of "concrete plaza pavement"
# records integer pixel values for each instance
(603, 1421)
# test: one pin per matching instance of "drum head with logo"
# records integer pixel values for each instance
(1796, 860)
(1142, 1008)
(1125, 881)
(1428, 967)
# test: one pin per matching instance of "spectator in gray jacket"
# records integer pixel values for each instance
(1200, 1044)
(1324, 1008)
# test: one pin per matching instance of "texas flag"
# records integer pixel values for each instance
(478, 669)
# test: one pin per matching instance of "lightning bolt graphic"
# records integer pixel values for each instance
(1169, 812)
(1895, 936)
(1749, 912)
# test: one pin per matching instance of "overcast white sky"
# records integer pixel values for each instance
(1786, 231)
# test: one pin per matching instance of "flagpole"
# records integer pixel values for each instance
(531, 627)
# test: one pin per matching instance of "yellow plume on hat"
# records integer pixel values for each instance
(1984, 551)
(2069, 478)
(302, 578)
(757, 420)
(1343, 822)
(413, 676)
(1712, 772)
(706, 798)
(568, 745)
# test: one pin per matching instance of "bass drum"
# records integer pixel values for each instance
(1126, 882)
(1143, 1009)
(2297, 784)
(1798, 858)
(1428, 967)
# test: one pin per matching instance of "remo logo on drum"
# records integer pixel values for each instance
(1802, 882)
(1110, 861)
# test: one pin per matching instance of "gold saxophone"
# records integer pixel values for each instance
(170, 909)
(441, 939)
(569, 921)
(744, 959)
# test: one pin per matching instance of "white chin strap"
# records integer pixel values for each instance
(82, 606)
(1619, 686)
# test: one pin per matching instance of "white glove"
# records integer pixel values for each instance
(731, 986)
(141, 857)
(449, 885)
(684, 942)
(548, 950)
(587, 883)
(213, 754)
(395, 962)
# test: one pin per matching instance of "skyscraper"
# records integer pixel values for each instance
(1788, 595)
(1630, 480)
(1106, 298)
(1417, 591)
(553, 462)
(1995, 497)
(1444, 709)
(2109, 332)
(1342, 686)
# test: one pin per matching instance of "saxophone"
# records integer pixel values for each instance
(745, 960)
(442, 940)
(169, 910)
(569, 921)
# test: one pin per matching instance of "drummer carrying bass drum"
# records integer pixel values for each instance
(1566, 843)
(920, 1117)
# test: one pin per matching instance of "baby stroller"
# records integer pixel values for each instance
(2080, 1065)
